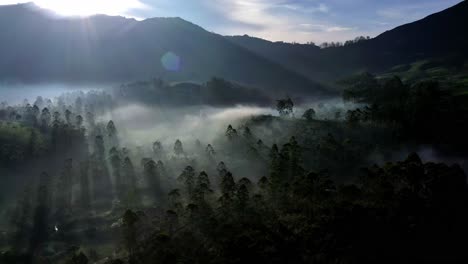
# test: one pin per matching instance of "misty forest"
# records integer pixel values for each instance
(230, 149)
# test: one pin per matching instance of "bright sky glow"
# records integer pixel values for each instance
(87, 7)
(277, 20)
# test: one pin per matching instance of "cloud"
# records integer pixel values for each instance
(277, 20)
(323, 28)
(322, 8)
(338, 29)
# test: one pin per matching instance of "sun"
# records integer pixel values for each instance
(91, 7)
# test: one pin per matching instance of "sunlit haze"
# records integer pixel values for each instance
(233, 131)
(88, 7)
(277, 20)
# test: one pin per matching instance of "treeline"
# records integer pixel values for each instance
(408, 211)
(90, 172)
(245, 196)
(176, 208)
(46, 128)
(215, 92)
(424, 111)
(332, 44)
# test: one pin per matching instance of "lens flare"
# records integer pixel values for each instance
(171, 62)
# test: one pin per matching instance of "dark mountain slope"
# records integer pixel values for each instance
(35, 46)
(440, 34)
(296, 57)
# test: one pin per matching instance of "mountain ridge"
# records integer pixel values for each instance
(101, 48)
(432, 36)
(104, 48)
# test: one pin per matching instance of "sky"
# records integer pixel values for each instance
(277, 20)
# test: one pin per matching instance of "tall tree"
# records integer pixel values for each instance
(40, 229)
(84, 185)
(64, 192)
(178, 148)
(45, 118)
(228, 185)
(275, 167)
(248, 134)
(231, 133)
(285, 107)
(158, 150)
(130, 219)
(210, 152)
(99, 148)
(79, 121)
(112, 134)
(187, 177)
(116, 164)
(90, 119)
(20, 222)
(130, 182)
(309, 114)
(153, 178)
(68, 116)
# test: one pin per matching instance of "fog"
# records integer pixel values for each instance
(103, 154)
(142, 125)
(16, 93)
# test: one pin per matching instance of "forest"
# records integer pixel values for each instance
(138, 137)
(371, 177)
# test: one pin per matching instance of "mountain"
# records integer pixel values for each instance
(37, 46)
(438, 35)
(297, 57)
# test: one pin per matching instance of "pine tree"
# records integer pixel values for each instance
(228, 185)
(130, 231)
(112, 134)
(116, 165)
(130, 182)
(99, 149)
(187, 178)
(79, 121)
(68, 115)
(175, 201)
(84, 185)
(275, 167)
(210, 152)
(19, 222)
(231, 133)
(178, 148)
(40, 229)
(45, 118)
(243, 197)
(153, 178)
(248, 134)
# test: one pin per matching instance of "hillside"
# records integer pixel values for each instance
(43, 48)
(438, 35)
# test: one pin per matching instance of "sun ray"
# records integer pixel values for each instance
(91, 7)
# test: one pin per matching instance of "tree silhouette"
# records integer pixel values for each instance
(178, 148)
(285, 107)
(309, 114)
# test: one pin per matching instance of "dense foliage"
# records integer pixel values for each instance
(424, 111)
(270, 189)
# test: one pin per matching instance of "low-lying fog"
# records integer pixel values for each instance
(140, 125)
(16, 93)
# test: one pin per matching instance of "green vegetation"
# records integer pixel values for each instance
(426, 111)
(18, 142)
(289, 188)
(233, 170)
(449, 71)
